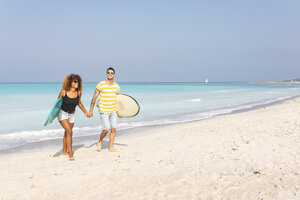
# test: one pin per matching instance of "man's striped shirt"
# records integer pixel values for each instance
(107, 96)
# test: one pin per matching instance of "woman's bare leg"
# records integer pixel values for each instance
(64, 151)
(68, 139)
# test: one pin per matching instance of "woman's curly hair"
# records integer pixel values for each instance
(67, 82)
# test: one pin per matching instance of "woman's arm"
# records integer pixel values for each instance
(82, 107)
(61, 94)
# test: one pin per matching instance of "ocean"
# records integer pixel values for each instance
(24, 107)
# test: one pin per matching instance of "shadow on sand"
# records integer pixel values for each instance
(105, 144)
(76, 147)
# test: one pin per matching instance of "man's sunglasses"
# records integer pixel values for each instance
(110, 73)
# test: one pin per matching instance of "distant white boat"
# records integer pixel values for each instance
(206, 80)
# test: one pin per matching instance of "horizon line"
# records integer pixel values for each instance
(154, 82)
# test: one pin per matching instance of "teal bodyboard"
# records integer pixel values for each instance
(54, 111)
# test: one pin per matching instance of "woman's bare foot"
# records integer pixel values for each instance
(71, 158)
(99, 145)
(112, 150)
(65, 153)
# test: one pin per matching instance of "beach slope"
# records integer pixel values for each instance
(249, 155)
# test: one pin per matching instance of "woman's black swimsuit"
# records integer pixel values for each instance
(69, 104)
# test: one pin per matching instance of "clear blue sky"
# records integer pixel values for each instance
(150, 40)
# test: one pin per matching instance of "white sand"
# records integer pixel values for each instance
(250, 155)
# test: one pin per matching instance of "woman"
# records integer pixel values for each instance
(71, 94)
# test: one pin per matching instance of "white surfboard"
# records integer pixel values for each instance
(126, 106)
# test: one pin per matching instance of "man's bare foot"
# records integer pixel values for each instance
(112, 150)
(99, 145)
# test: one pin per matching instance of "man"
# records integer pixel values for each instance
(107, 91)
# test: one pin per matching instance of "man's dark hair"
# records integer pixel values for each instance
(110, 68)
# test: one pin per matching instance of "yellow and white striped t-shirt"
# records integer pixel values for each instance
(107, 96)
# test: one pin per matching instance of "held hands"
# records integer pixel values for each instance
(91, 113)
(87, 114)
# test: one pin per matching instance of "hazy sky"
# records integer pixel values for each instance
(150, 40)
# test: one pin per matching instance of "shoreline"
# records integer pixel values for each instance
(57, 142)
(277, 82)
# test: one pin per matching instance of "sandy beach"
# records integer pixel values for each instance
(249, 155)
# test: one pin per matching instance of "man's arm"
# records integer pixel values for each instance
(96, 93)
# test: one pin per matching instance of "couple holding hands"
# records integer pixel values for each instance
(71, 93)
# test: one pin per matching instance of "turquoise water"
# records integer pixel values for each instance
(25, 106)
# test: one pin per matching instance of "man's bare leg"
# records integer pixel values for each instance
(111, 140)
(103, 134)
